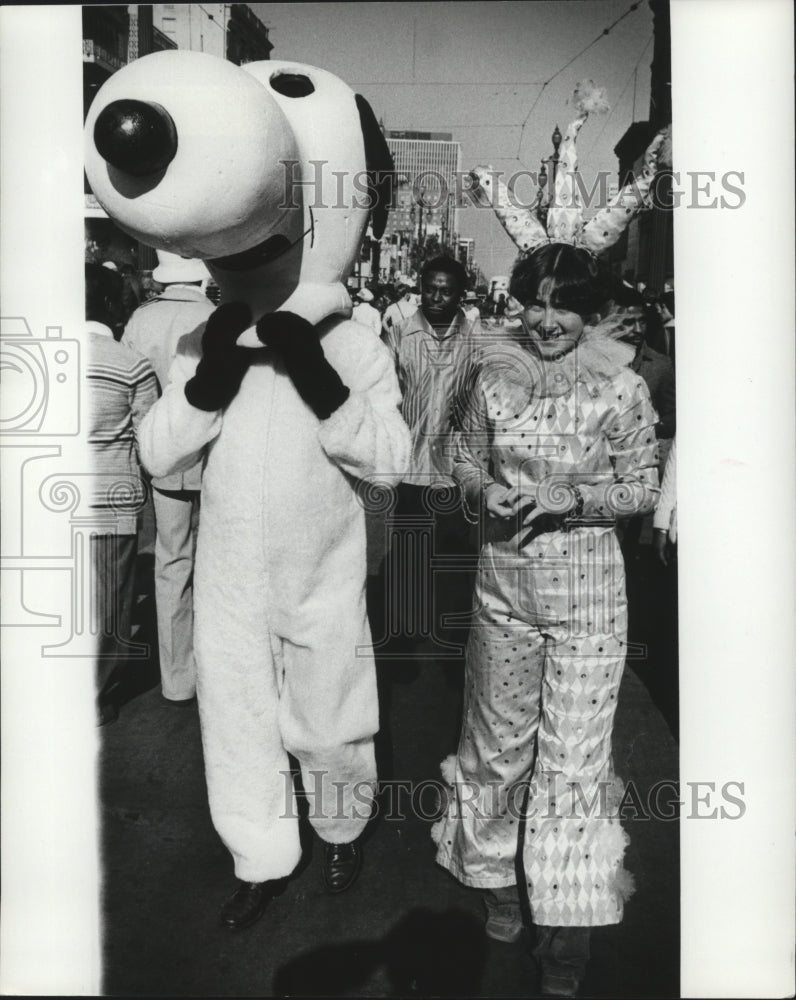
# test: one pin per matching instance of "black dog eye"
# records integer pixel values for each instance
(292, 84)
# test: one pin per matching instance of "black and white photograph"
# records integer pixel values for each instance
(393, 604)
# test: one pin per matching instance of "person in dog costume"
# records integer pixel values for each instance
(295, 408)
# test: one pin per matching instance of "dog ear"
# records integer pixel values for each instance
(380, 167)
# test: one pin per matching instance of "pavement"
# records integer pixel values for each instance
(406, 928)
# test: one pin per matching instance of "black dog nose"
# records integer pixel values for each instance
(136, 136)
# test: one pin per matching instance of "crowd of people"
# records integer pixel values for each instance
(538, 441)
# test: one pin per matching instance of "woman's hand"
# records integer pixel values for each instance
(497, 502)
(660, 545)
(505, 502)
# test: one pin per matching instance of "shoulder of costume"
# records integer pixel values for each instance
(347, 327)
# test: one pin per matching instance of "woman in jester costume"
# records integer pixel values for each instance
(557, 440)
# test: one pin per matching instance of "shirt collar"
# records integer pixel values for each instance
(422, 325)
(179, 292)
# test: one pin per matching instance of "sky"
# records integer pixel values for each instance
(476, 70)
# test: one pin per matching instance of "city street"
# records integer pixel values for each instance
(406, 927)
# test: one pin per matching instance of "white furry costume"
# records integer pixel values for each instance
(281, 635)
(279, 589)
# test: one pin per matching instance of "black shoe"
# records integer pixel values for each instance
(246, 905)
(341, 866)
(107, 712)
(559, 983)
(179, 702)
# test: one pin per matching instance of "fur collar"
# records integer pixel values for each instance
(595, 360)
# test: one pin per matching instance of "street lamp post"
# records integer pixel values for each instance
(421, 204)
(545, 202)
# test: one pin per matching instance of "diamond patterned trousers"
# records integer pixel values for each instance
(544, 662)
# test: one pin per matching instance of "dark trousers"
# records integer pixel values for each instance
(429, 571)
(562, 954)
(113, 564)
(420, 602)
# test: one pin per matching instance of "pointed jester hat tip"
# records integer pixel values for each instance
(563, 223)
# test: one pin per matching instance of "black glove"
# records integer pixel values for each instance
(297, 344)
(223, 365)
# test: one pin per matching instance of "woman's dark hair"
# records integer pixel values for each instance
(577, 281)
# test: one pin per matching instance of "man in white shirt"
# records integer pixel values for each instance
(470, 306)
(400, 310)
(155, 329)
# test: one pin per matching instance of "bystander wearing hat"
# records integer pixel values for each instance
(154, 330)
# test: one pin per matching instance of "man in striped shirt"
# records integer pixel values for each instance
(432, 349)
(122, 387)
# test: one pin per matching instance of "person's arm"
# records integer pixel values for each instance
(361, 428)
(204, 378)
(367, 436)
(667, 402)
(663, 522)
(143, 392)
(472, 447)
(174, 433)
(667, 500)
(633, 488)
(391, 338)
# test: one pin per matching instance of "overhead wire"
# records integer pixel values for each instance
(496, 83)
(211, 17)
(619, 100)
(558, 72)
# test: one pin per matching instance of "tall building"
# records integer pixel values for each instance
(426, 164)
(112, 37)
(646, 250)
(115, 35)
(465, 251)
(228, 30)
